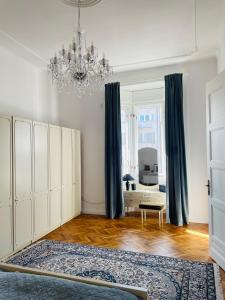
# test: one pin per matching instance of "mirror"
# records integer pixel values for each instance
(148, 166)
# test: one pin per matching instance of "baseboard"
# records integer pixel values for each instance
(92, 211)
(199, 220)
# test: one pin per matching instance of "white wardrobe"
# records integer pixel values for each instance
(40, 180)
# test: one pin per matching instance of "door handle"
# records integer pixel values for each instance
(208, 187)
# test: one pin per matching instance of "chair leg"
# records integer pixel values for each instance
(142, 219)
(145, 215)
(159, 218)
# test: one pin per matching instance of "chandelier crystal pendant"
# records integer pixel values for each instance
(79, 65)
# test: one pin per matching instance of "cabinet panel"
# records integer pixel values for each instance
(66, 156)
(41, 216)
(40, 163)
(67, 204)
(55, 175)
(40, 137)
(67, 175)
(23, 223)
(22, 158)
(6, 216)
(55, 157)
(76, 171)
(6, 230)
(55, 209)
(5, 159)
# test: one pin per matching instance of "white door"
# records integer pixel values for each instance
(22, 158)
(67, 184)
(6, 214)
(40, 179)
(76, 172)
(55, 176)
(216, 166)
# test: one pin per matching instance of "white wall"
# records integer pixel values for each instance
(25, 90)
(221, 53)
(221, 43)
(90, 113)
(195, 123)
(87, 114)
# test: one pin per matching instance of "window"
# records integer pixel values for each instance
(142, 127)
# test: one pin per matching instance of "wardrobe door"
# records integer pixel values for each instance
(76, 171)
(67, 187)
(40, 179)
(6, 214)
(22, 157)
(55, 176)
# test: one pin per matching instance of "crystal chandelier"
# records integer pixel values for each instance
(79, 65)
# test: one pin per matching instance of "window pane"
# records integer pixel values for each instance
(146, 117)
(150, 137)
(141, 117)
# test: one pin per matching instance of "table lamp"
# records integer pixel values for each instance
(127, 178)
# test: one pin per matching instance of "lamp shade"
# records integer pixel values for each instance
(128, 177)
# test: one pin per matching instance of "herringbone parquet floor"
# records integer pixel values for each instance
(188, 242)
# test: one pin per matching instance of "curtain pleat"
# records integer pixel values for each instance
(113, 151)
(177, 193)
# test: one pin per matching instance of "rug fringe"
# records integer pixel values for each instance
(218, 283)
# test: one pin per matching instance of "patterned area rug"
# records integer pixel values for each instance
(164, 277)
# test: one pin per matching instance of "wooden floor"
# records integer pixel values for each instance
(189, 242)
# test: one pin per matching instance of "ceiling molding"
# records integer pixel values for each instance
(11, 44)
(81, 3)
(195, 55)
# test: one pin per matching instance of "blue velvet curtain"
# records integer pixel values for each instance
(113, 151)
(177, 194)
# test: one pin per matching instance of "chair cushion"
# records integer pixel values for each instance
(151, 206)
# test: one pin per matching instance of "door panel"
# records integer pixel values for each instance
(40, 163)
(217, 153)
(22, 156)
(217, 184)
(55, 175)
(6, 217)
(217, 105)
(216, 166)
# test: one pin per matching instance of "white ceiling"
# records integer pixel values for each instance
(132, 33)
